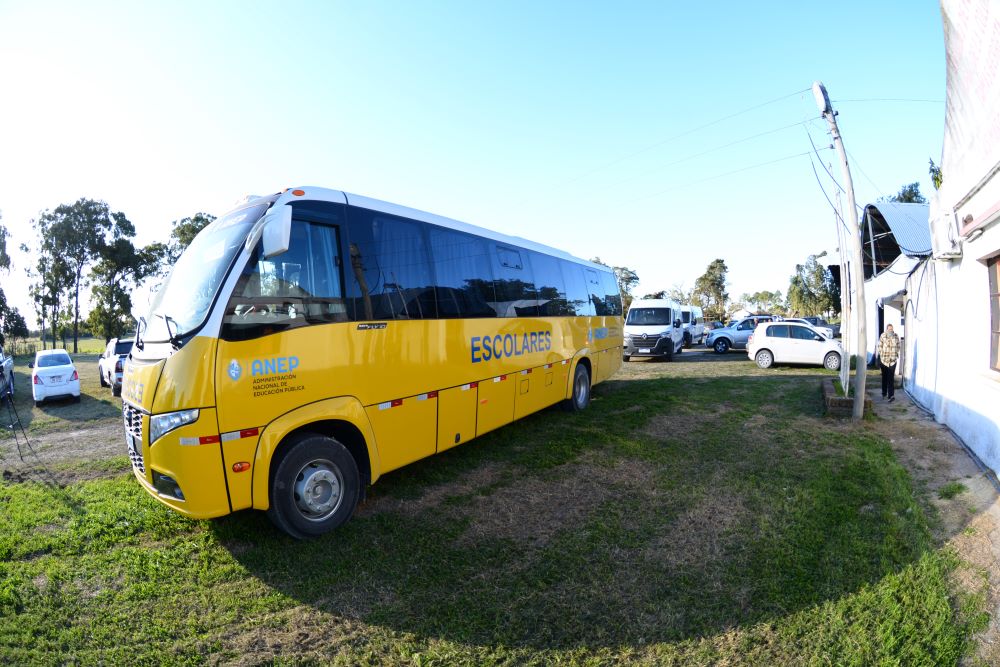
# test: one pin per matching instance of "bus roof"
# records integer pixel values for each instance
(341, 197)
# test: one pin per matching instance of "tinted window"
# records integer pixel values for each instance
(299, 287)
(595, 291)
(612, 297)
(746, 324)
(50, 360)
(803, 333)
(464, 283)
(515, 286)
(650, 316)
(123, 347)
(686, 316)
(577, 298)
(778, 331)
(389, 268)
(550, 286)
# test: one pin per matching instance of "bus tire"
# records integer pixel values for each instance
(581, 391)
(315, 487)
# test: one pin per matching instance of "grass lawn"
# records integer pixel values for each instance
(700, 512)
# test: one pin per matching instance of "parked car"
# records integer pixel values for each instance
(6, 374)
(820, 322)
(53, 375)
(735, 335)
(111, 364)
(824, 329)
(793, 343)
(653, 329)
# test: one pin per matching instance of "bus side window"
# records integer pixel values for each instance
(596, 292)
(389, 268)
(514, 283)
(577, 298)
(613, 297)
(463, 277)
(550, 285)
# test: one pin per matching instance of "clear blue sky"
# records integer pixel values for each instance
(578, 125)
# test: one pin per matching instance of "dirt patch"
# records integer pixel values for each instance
(479, 478)
(41, 454)
(531, 511)
(698, 537)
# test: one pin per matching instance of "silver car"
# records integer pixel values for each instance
(735, 336)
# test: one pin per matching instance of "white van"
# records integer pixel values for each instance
(653, 328)
(693, 322)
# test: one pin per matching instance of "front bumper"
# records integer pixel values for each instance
(640, 348)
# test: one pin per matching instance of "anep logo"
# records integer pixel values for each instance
(235, 370)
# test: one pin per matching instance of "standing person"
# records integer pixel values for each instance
(888, 355)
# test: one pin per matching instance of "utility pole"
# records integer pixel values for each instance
(846, 321)
(857, 268)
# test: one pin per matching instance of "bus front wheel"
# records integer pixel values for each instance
(315, 487)
(581, 391)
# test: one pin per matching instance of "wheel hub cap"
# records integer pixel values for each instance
(318, 491)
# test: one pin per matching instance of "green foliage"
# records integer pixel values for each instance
(951, 489)
(810, 290)
(908, 194)
(935, 172)
(710, 291)
(765, 301)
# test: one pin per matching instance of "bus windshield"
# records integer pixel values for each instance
(183, 302)
(649, 316)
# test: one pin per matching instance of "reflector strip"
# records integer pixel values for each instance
(466, 387)
(189, 441)
(473, 385)
(397, 402)
(430, 394)
(526, 372)
(209, 440)
(385, 406)
(238, 435)
(564, 362)
(547, 366)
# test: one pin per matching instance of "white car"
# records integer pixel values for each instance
(112, 362)
(53, 375)
(826, 331)
(793, 343)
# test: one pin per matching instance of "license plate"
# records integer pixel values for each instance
(55, 378)
(644, 350)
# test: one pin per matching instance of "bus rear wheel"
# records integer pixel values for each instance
(581, 391)
(315, 487)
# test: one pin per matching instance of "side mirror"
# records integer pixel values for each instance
(31, 364)
(277, 231)
(677, 324)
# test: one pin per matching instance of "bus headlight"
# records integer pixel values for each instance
(160, 425)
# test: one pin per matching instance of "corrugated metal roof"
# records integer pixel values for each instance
(908, 224)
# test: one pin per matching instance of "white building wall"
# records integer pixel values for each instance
(948, 365)
(885, 284)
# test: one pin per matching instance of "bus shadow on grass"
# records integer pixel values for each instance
(664, 513)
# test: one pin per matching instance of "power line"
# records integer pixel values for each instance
(728, 173)
(813, 144)
(712, 150)
(891, 99)
(685, 133)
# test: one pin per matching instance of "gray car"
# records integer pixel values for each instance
(735, 336)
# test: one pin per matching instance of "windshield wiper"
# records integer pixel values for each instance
(139, 329)
(173, 338)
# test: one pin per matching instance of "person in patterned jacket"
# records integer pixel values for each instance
(888, 355)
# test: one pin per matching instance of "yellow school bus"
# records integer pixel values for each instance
(308, 342)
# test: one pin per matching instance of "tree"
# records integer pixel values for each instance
(765, 301)
(118, 272)
(662, 294)
(77, 233)
(809, 290)
(710, 290)
(908, 194)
